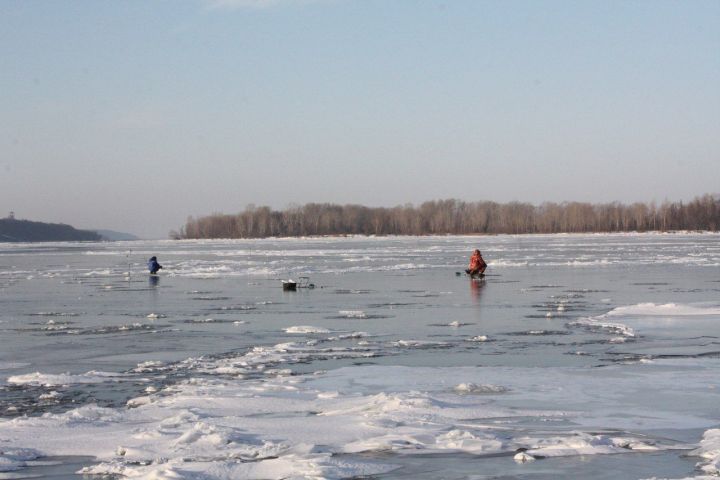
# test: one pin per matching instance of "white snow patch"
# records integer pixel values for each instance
(478, 338)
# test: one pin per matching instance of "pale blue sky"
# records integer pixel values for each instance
(133, 115)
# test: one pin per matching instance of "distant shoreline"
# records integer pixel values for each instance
(455, 217)
(362, 236)
(13, 230)
(21, 231)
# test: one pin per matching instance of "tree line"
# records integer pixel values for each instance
(440, 217)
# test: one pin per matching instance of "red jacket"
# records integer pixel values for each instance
(476, 262)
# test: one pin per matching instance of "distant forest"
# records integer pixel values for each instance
(456, 217)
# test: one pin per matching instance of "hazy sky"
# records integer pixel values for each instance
(133, 115)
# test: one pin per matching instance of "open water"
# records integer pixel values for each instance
(578, 356)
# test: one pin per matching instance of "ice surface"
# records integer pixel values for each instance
(214, 426)
(12, 365)
(279, 385)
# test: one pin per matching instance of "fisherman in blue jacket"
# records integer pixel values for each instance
(153, 265)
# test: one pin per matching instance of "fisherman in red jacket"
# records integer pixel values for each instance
(477, 264)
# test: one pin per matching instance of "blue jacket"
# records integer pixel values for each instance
(153, 265)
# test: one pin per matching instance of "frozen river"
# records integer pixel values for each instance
(578, 356)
